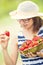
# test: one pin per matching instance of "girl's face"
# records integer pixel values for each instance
(26, 23)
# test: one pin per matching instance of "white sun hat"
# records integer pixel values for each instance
(26, 9)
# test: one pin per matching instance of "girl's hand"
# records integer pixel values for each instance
(30, 55)
(40, 54)
(4, 41)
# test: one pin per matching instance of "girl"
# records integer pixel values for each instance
(28, 16)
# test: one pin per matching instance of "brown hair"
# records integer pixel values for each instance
(37, 23)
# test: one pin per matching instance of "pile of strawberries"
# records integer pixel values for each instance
(29, 44)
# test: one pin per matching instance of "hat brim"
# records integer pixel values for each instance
(23, 15)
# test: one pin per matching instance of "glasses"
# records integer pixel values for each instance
(24, 20)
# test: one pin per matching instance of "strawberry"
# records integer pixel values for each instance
(36, 38)
(28, 42)
(7, 33)
(26, 46)
(35, 44)
(22, 48)
(30, 46)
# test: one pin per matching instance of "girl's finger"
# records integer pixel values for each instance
(33, 55)
(40, 54)
(28, 55)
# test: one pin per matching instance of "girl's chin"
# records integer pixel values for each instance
(26, 27)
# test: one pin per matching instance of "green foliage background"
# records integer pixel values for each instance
(5, 7)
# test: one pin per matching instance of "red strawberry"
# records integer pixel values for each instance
(7, 33)
(30, 46)
(26, 46)
(36, 38)
(28, 42)
(22, 48)
(35, 44)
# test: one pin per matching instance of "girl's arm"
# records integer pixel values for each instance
(9, 59)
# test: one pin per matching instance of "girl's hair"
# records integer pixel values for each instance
(37, 23)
